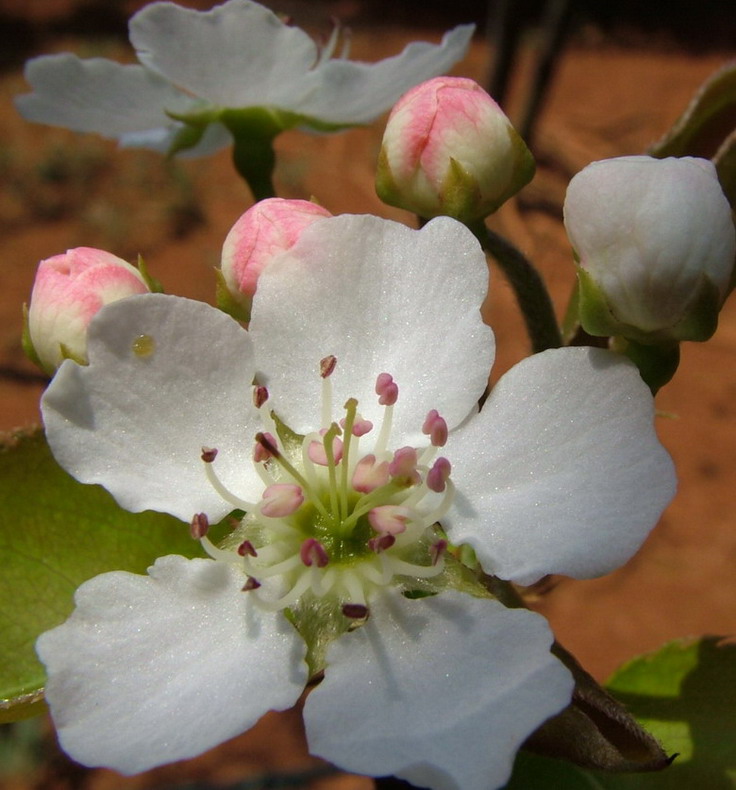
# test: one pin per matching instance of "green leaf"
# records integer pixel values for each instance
(707, 122)
(684, 695)
(56, 533)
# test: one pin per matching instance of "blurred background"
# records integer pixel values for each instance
(611, 76)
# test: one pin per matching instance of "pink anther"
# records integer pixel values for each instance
(281, 499)
(389, 519)
(386, 389)
(437, 550)
(438, 475)
(381, 543)
(264, 447)
(318, 455)
(370, 475)
(436, 428)
(404, 464)
(247, 549)
(360, 427)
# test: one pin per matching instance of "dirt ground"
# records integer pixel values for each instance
(61, 190)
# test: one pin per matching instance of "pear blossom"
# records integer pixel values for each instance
(366, 339)
(655, 244)
(68, 291)
(195, 67)
(266, 229)
(449, 149)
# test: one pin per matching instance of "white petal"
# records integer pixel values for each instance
(561, 472)
(238, 54)
(148, 670)
(382, 298)
(137, 423)
(343, 91)
(98, 95)
(440, 692)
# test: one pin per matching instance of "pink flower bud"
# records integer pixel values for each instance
(68, 292)
(449, 149)
(261, 234)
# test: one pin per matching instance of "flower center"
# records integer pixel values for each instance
(342, 514)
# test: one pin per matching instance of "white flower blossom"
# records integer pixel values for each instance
(236, 56)
(366, 340)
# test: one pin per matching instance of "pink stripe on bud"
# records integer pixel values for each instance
(281, 499)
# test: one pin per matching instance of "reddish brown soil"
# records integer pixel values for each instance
(603, 103)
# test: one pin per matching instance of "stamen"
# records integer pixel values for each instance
(436, 428)
(312, 553)
(369, 475)
(327, 366)
(199, 526)
(251, 584)
(320, 453)
(281, 499)
(381, 543)
(224, 492)
(264, 448)
(389, 519)
(355, 611)
(386, 389)
(260, 396)
(404, 466)
(438, 475)
(209, 454)
(246, 549)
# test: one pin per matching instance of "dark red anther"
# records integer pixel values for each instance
(381, 543)
(209, 454)
(313, 552)
(246, 548)
(199, 526)
(355, 611)
(327, 366)
(260, 396)
(251, 584)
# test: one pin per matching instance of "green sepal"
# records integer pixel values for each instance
(597, 317)
(154, 285)
(67, 353)
(657, 363)
(708, 120)
(27, 344)
(226, 302)
(55, 534)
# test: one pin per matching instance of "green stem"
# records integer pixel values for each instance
(254, 159)
(531, 293)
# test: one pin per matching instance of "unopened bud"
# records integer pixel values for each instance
(449, 149)
(265, 231)
(69, 290)
(655, 245)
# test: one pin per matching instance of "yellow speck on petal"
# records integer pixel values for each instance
(144, 346)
